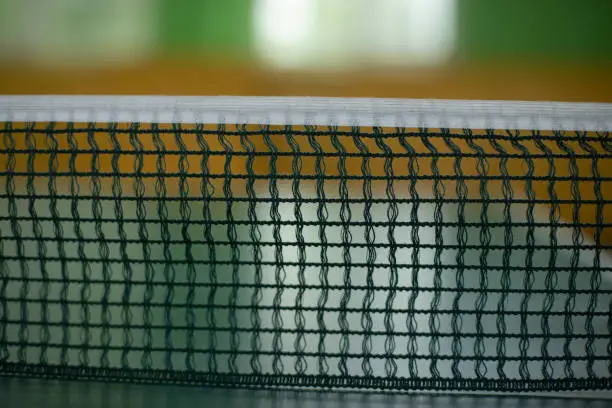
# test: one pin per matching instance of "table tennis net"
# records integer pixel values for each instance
(325, 256)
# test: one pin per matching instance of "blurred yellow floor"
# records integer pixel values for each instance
(516, 81)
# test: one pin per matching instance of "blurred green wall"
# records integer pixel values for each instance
(551, 29)
(568, 30)
(220, 26)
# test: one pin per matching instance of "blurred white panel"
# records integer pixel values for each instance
(284, 30)
(76, 32)
(354, 33)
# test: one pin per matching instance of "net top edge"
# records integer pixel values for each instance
(320, 111)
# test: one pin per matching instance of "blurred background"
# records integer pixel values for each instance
(545, 50)
(468, 49)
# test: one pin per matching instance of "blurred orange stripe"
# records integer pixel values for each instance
(520, 80)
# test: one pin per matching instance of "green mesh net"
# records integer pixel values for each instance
(403, 259)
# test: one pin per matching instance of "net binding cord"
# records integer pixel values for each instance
(307, 242)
